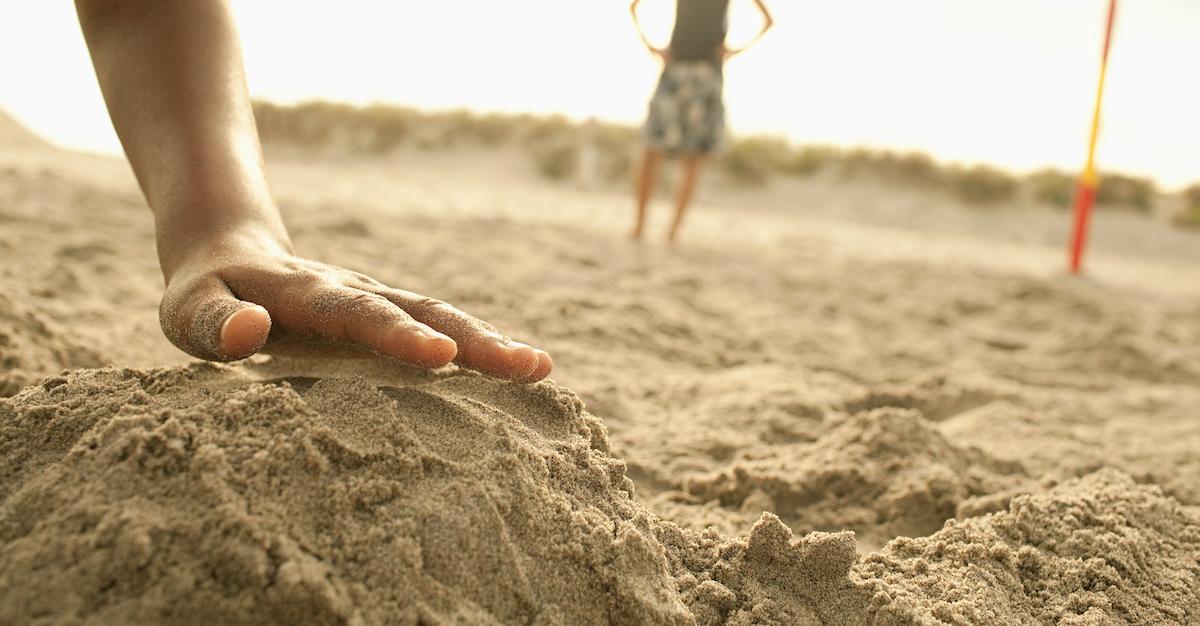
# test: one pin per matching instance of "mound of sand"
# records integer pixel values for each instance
(198, 495)
(208, 494)
(1098, 550)
(32, 345)
(885, 473)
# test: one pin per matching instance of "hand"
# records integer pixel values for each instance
(663, 54)
(283, 300)
(727, 53)
(233, 285)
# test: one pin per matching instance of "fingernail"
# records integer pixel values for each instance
(517, 346)
(229, 318)
(229, 348)
(435, 335)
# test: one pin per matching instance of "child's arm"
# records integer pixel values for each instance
(661, 53)
(171, 73)
(768, 22)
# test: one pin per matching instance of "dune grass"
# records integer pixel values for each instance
(554, 145)
(1189, 214)
(1052, 187)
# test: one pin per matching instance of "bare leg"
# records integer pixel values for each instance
(644, 189)
(691, 174)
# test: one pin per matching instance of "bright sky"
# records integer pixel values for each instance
(1005, 82)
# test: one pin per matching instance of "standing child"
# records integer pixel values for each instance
(687, 113)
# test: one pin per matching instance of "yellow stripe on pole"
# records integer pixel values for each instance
(1089, 170)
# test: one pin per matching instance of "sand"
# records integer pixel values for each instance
(790, 420)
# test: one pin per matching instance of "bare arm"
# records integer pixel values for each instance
(661, 53)
(768, 22)
(172, 76)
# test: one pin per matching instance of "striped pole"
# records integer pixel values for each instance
(1085, 195)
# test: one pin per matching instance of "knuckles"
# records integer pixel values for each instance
(366, 300)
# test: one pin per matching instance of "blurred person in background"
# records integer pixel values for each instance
(687, 112)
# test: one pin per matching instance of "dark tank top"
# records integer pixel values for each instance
(700, 27)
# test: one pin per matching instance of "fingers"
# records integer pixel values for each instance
(544, 366)
(480, 346)
(205, 320)
(369, 320)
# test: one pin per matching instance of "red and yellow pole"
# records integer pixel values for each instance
(1085, 195)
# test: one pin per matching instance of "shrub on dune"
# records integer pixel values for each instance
(982, 185)
(914, 167)
(616, 146)
(808, 160)
(492, 129)
(555, 158)
(751, 161)
(1052, 187)
(555, 127)
(856, 162)
(386, 127)
(909, 168)
(1189, 215)
(1118, 190)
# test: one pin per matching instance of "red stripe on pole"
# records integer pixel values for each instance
(1085, 196)
(1112, 11)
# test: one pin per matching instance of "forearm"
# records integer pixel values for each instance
(172, 77)
(767, 23)
(756, 39)
(637, 23)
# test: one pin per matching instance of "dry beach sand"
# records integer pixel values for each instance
(793, 419)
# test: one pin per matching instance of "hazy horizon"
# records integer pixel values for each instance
(1008, 84)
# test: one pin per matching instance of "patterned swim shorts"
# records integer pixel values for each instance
(687, 114)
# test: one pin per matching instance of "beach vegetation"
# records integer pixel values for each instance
(554, 144)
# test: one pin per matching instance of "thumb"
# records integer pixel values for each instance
(204, 319)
